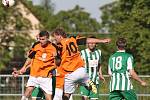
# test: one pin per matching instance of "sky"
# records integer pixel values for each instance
(91, 6)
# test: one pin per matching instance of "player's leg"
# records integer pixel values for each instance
(71, 79)
(58, 94)
(129, 95)
(53, 85)
(27, 93)
(46, 86)
(37, 93)
(48, 96)
(84, 92)
(30, 86)
(85, 80)
(59, 84)
(71, 97)
(69, 86)
(115, 95)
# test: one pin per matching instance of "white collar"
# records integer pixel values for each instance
(121, 51)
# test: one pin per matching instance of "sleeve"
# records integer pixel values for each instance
(81, 40)
(100, 56)
(83, 56)
(81, 52)
(109, 69)
(32, 53)
(130, 63)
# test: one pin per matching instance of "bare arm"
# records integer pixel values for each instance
(100, 73)
(135, 76)
(25, 66)
(94, 40)
(15, 73)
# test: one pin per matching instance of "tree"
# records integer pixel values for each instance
(131, 19)
(43, 12)
(13, 43)
(48, 5)
(72, 20)
(75, 20)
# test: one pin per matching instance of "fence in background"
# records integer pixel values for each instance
(12, 88)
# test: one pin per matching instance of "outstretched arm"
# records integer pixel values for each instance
(94, 40)
(83, 40)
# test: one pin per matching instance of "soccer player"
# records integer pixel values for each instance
(120, 67)
(42, 58)
(92, 59)
(71, 61)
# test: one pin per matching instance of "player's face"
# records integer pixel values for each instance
(43, 40)
(91, 46)
(57, 38)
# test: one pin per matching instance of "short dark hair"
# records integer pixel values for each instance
(60, 31)
(121, 43)
(44, 33)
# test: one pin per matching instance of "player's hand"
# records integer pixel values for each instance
(143, 83)
(22, 70)
(106, 40)
(101, 78)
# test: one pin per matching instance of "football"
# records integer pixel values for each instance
(8, 3)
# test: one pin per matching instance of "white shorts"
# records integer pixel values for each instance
(78, 76)
(44, 83)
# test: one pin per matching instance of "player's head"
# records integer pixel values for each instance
(92, 45)
(121, 43)
(43, 37)
(59, 34)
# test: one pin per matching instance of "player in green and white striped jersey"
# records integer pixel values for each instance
(120, 67)
(92, 58)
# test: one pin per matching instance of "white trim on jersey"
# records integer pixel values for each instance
(109, 70)
(129, 63)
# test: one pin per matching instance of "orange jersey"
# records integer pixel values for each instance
(42, 60)
(70, 55)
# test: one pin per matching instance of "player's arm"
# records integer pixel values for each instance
(101, 77)
(109, 69)
(84, 40)
(94, 40)
(132, 72)
(26, 65)
(135, 76)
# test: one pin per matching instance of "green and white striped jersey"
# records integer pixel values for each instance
(92, 61)
(118, 67)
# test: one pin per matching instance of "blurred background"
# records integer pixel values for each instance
(20, 24)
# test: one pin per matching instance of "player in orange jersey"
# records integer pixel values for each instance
(71, 61)
(42, 58)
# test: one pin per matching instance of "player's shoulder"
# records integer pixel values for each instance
(84, 50)
(113, 55)
(35, 44)
(54, 45)
(98, 50)
(129, 54)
